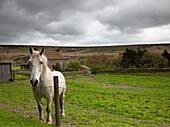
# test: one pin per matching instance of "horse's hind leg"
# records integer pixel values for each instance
(62, 95)
(48, 109)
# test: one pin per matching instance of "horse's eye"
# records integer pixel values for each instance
(41, 62)
(29, 62)
(30, 65)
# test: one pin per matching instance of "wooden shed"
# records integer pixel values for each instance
(5, 72)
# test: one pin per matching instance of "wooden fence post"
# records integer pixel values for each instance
(56, 101)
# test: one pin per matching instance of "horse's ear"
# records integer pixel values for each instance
(30, 50)
(42, 51)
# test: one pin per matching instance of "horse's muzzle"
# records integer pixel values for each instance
(34, 83)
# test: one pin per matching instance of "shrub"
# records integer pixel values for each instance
(102, 62)
(58, 67)
(74, 65)
(153, 60)
(166, 55)
(132, 58)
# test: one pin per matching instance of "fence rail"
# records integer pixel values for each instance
(119, 70)
(135, 70)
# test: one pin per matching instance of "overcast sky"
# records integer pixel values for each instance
(84, 22)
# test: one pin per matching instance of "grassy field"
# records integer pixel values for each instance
(12, 119)
(110, 100)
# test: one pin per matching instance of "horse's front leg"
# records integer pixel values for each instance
(40, 108)
(48, 109)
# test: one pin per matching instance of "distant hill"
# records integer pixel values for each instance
(12, 52)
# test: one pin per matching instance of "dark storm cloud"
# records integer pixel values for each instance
(137, 14)
(84, 22)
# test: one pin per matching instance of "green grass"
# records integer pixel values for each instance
(125, 100)
(143, 102)
(12, 119)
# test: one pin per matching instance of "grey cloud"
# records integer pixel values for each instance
(69, 21)
(138, 14)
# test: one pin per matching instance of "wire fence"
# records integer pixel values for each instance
(91, 107)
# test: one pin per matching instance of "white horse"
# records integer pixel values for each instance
(43, 84)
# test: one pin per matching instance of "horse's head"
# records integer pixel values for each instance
(36, 65)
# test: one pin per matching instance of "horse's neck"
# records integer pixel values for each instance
(46, 73)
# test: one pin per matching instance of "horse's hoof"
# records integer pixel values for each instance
(42, 120)
(49, 122)
(62, 115)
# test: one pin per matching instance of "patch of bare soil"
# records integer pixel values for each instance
(31, 115)
(90, 77)
(18, 111)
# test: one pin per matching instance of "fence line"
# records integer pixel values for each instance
(137, 70)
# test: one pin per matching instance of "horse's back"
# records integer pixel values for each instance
(61, 78)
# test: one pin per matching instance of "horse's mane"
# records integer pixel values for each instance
(45, 64)
(45, 60)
